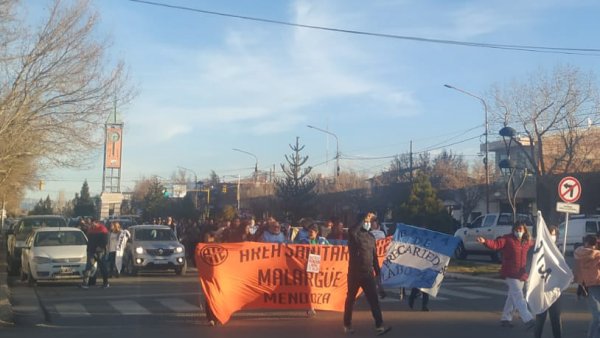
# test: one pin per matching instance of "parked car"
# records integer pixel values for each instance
(153, 247)
(54, 254)
(19, 233)
(578, 227)
(488, 226)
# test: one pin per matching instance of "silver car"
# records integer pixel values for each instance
(153, 247)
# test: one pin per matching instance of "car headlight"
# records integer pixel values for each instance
(139, 250)
(179, 249)
(42, 260)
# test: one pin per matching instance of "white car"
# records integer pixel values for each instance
(54, 254)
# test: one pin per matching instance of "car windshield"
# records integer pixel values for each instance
(154, 235)
(58, 238)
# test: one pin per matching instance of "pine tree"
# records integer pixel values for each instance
(155, 201)
(296, 190)
(424, 208)
(43, 207)
(83, 203)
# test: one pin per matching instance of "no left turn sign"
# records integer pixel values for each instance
(569, 189)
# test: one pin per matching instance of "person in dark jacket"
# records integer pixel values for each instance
(97, 245)
(363, 272)
(514, 248)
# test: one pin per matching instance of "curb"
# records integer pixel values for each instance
(455, 275)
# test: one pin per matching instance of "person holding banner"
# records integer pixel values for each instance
(363, 272)
(514, 248)
(548, 276)
(587, 258)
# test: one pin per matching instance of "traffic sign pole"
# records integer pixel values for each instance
(569, 190)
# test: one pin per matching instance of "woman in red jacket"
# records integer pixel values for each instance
(514, 248)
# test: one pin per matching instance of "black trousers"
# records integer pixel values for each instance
(414, 293)
(369, 287)
(99, 259)
(554, 311)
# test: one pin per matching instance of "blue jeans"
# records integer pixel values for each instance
(594, 304)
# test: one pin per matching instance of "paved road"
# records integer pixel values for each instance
(158, 305)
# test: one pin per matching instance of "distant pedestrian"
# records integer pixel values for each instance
(273, 233)
(376, 230)
(553, 310)
(514, 248)
(314, 239)
(587, 274)
(363, 272)
(96, 254)
(414, 293)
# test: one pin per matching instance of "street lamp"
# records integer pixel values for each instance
(337, 148)
(485, 159)
(509, 167)
(255, 159)
(195, 186)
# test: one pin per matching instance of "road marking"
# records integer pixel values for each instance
(460, 294)
(178, 305)
(485, 290)
(71, 309)
(128, 307)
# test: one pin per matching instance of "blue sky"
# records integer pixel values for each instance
(209, 83)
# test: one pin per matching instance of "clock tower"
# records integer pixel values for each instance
(111, 196)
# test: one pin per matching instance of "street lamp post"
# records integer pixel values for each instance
(509, 167)
(337, 149)
(255, 161)
(485, 160)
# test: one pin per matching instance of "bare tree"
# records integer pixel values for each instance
(57, 87)
(547, 106)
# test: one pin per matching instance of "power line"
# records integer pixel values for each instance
(523, 48)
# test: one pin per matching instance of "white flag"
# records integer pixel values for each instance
(549, 274)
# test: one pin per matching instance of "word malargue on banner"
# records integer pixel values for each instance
(549, 274)
(250, 275)
(417, 258)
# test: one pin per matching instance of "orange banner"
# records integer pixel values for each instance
(249, 275)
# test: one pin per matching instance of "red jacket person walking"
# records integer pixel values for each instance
(514, 248)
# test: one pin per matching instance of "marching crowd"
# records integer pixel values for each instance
(105, 240)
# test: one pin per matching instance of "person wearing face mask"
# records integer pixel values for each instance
(514, 248)
(553, 310)
(363, 272)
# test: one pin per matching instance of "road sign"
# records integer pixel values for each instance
(569, 189)
(569, 208)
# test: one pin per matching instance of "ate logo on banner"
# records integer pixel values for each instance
(214, 254)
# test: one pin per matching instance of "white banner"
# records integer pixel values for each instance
(549, 274)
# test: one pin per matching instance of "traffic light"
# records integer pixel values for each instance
(224, 189)
(165, 193)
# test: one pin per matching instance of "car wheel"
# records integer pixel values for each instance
(460, 251)
(180, 271)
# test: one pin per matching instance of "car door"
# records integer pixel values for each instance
(472, 231)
